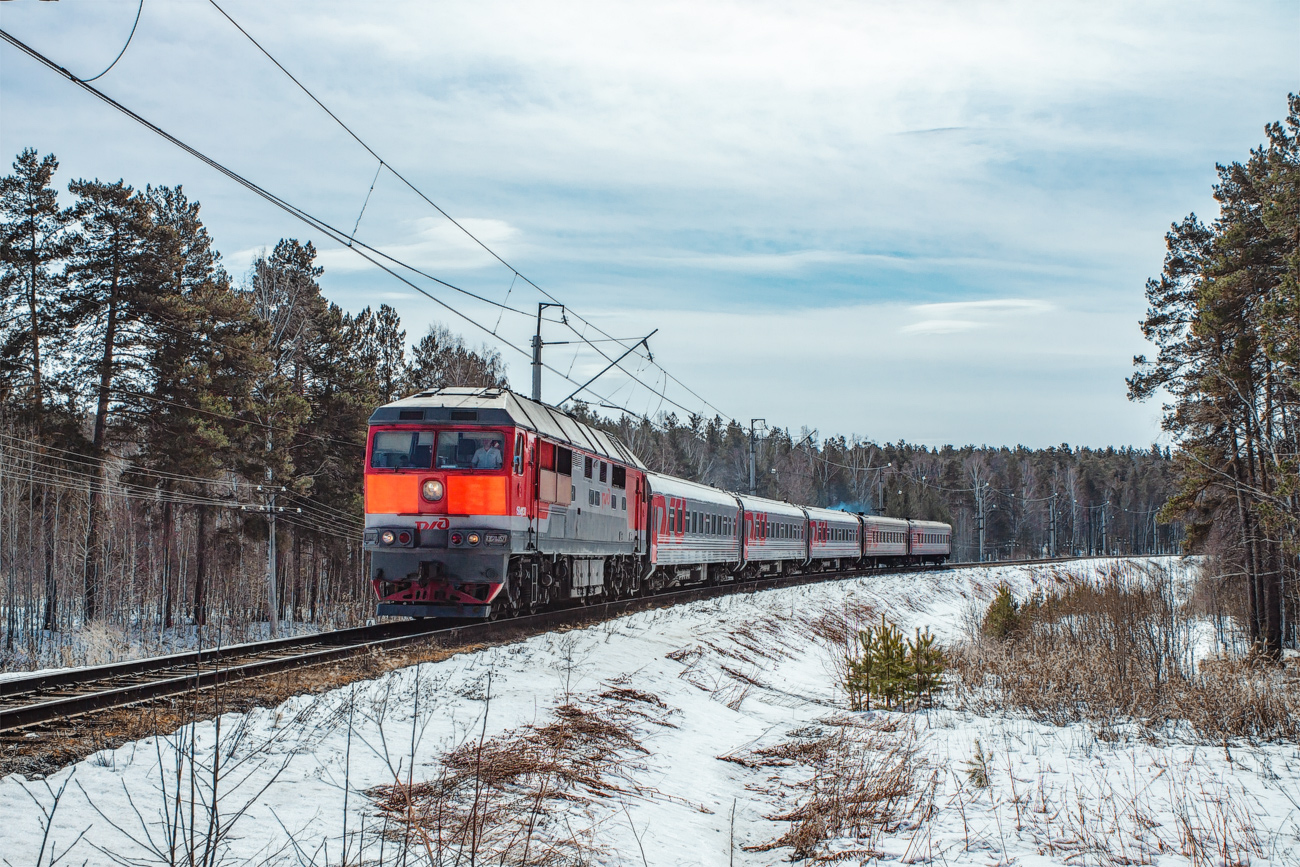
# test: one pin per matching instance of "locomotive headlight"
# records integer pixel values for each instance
(387, 537)
(432, 489)
(472, 538)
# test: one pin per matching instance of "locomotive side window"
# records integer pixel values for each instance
(399, 449)
(469, 451)
(563, 461)
(587, 467)
(519, 454)
(604, 471)
(620, 477)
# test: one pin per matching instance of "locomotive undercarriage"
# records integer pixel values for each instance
(534, 582)
(537, 581)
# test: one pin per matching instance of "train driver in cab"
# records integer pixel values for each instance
(488, 458)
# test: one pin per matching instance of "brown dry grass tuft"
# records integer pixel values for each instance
(1120, 652)
(863, 778)
(497, 798)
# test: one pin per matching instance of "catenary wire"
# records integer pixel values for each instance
(329, 230)
(384, 164)
(131, 36)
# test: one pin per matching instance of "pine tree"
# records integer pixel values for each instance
(1216, 314)
(34, 240)
(108, 301)
(204, 356)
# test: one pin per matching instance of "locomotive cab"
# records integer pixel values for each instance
(481, 502)
(439, 503)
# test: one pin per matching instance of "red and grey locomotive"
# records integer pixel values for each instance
(481, 502)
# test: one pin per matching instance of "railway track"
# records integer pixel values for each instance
(59, 696)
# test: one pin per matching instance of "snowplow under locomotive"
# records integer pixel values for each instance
(483, 503)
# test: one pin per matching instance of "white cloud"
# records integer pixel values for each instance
(940, 326)
(942, 318)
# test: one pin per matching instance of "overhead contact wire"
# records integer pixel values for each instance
(515, 271)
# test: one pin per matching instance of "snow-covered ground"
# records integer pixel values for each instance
(741, 682)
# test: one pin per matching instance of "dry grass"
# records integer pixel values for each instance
(1130, 820)
(1119, 653)
(860, 778)
(501, 799)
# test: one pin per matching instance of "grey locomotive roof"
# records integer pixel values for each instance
(499, 406)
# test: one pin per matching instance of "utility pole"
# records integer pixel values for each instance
(272, 602)
(270, 508)
(1051, 524)
(537, 350)
(753, 479)
(980, 492)
(880, 487)
(1105, 549)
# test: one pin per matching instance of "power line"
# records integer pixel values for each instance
(515, 271)
(312, 221)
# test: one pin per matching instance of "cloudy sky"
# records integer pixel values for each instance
(925, 220)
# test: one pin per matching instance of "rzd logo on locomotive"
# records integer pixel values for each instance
(435, 524)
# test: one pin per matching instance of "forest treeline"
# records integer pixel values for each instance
(1224, 316)
(153, 408)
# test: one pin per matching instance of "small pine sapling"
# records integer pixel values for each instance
(977, 768)
(927, 665)
(1002, 618)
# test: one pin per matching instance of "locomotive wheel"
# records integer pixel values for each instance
(508, 603)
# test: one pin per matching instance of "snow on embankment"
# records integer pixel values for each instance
(669, 737)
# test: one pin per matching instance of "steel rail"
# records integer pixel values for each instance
(72, 677)
(182, 673)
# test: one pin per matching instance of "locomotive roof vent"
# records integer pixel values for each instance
(464, 415)
(411, 415)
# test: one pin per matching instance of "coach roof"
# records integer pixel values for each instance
(500, 406)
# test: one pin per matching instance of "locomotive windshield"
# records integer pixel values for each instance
(458, 450)
(399, 449)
